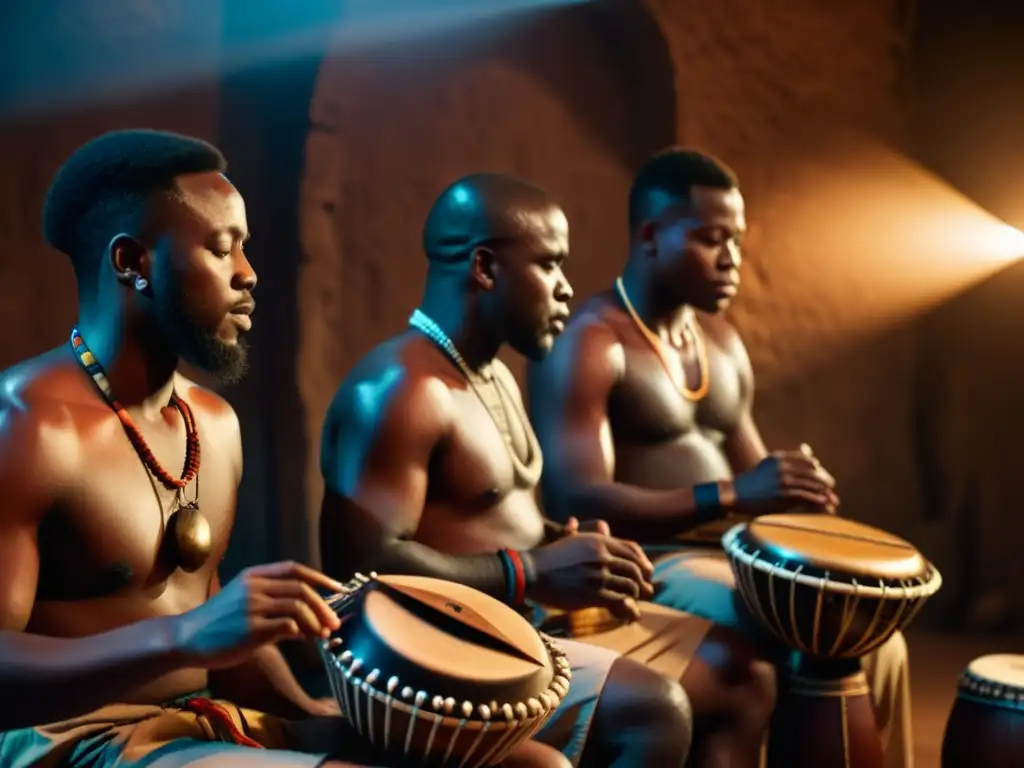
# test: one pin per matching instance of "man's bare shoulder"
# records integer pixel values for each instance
(592, 336)
(47, 385)
(209, 407)
(44, 403)
(402, 377)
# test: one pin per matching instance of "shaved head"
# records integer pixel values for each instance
(482, 210)
(502, 241)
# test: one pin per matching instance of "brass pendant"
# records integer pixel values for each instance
(193, 538)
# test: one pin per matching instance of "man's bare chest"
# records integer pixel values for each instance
(113, 525)
(647, 405)
(491, 448)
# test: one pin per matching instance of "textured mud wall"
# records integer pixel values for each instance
(574, 100)
(58, 96)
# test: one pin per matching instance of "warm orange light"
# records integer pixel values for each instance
(1007, 242)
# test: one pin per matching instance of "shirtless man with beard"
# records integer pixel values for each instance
(644, 410)
(118, 644)
(431, 468)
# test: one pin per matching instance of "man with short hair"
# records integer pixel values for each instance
(117, 642)
(644, 411)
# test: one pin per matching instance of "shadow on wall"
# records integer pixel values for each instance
(571, 99)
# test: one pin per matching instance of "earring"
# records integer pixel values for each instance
(141, 284)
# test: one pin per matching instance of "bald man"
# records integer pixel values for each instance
(644, 411)
(431, 468)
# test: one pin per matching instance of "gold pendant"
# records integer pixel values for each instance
(193, 538)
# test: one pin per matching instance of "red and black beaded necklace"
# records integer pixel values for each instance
(192, 535)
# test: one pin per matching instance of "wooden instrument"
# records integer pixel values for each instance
(439, 674)
(986, 726)
(831, 590)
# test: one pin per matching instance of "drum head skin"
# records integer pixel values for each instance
(1003, 669)
(447, 639)
(439, 646)
(438, 674)
(836, 544)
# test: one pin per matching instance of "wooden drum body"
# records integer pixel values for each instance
(439, 674)
(986, 727)
(832, 590)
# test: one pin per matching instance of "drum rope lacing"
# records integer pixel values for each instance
(911, 593)
(516, 722)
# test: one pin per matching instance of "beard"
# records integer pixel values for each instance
(226, 363)
(198, 346)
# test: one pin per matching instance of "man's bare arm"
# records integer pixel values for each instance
(45, 679)
(264, 682)
(743, 444)
(375, 460)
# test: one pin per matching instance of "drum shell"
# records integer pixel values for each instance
(420, 736)
(986, 725)
(819, 724)
(822, 623)
(983, 736)
(423, 717)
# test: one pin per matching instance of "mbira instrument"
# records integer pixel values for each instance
(986, 727)
(438, 674)
(831, 590)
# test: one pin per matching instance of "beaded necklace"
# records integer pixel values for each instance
(192, 535)
(689, 332)
(527, 474)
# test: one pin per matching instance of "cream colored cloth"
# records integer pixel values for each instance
(664, 640)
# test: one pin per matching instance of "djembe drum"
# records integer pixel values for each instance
(439, 674)
(986, 727)
(831, 590)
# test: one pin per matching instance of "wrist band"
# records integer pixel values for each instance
(515, 576)
(707, 502)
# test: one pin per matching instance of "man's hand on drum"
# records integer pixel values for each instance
(786, 481)
(585, 570)
(263, 604)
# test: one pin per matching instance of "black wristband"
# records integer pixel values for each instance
(707, 502)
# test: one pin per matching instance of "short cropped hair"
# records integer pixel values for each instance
(671, 175)
(104, 187)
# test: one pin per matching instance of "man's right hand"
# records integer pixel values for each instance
(261, 605)
(784, 480)
(586, 570)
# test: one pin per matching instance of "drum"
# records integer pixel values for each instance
(831, 590)
(986, 727)
(438, 674)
